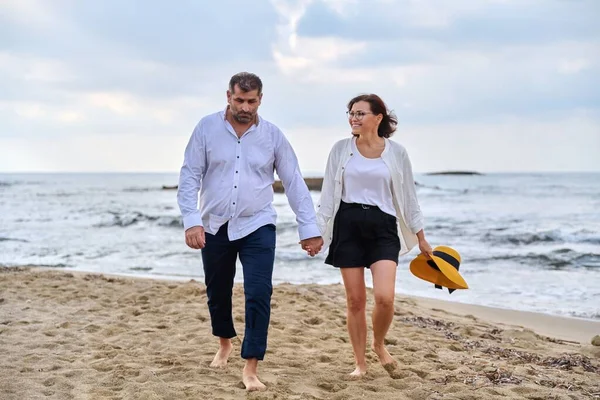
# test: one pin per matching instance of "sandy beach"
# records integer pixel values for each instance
(66, 335)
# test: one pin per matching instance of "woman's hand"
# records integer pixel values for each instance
(425, 248)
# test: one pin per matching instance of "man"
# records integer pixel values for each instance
(230, 159)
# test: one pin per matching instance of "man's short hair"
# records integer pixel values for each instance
(245, 81)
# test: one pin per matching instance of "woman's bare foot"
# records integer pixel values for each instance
(225, 349)
(250, 378)
(384, 356)
(359, 372)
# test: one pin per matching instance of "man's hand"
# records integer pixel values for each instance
(312, 245)
(194, 237)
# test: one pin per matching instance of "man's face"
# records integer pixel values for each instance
(243, 105)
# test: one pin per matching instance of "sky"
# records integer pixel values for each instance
(483, 85)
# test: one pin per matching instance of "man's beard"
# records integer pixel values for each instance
(242, 118)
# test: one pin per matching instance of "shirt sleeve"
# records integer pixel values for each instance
(288, 170)
(412, 210)
(190, 179)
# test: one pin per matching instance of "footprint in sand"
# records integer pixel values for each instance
(394, 371)
(390, 341)
(49, 382)
(313, 321)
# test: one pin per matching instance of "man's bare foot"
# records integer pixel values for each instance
(359, 372)
(384, 356)
(225, 349)
(250, 378)
(252, 383)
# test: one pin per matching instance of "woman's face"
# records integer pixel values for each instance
(361, 119)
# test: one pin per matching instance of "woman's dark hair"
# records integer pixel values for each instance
(389, 122)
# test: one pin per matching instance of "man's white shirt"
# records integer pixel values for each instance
(234, 177)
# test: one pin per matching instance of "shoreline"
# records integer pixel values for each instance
(451, 305)
(492, 313)
(73, 334)
(551, 325)
(568, 328)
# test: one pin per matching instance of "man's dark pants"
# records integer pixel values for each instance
(257, 256)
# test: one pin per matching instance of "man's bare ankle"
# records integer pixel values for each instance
(222, 356)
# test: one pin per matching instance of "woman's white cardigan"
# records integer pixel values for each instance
(408, 212)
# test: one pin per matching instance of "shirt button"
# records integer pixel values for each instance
(235, 187)
(234, 203)
(351, 154)
(238, 141)
(236, 172)
(238, 156)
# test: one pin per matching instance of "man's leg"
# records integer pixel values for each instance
(218, 257)
(257, 254)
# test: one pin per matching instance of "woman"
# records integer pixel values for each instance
(369, 215)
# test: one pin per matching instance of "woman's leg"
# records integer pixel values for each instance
(384, 283)
(356, 301)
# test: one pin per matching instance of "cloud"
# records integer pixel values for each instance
(103, 75)
(460, 23)
(508, 144)
(574, 66)
(315, 54)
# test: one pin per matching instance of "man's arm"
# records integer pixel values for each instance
(288, 170)
(190, 182)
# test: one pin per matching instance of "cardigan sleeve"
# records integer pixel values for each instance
(325, 205)
(412, 210)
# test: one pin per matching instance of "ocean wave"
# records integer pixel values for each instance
(286, 226)
(590, 315)
(59, 265)
(8, 239)
(127, 219)
(524, 238)
(132, 218)
(144, 269)
(545, 237)
(58, 194)
(141, 189)
(587, 236)
(557, 259)
(291, 255)
(19, 183)
(434, 188)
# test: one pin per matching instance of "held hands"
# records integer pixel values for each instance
(425, 248)
(312, 246)
(194, 237)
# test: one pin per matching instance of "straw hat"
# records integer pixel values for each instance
(441, 270)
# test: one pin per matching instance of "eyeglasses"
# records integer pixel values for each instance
(358, 115)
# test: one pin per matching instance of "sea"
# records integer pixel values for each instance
(528, 241)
